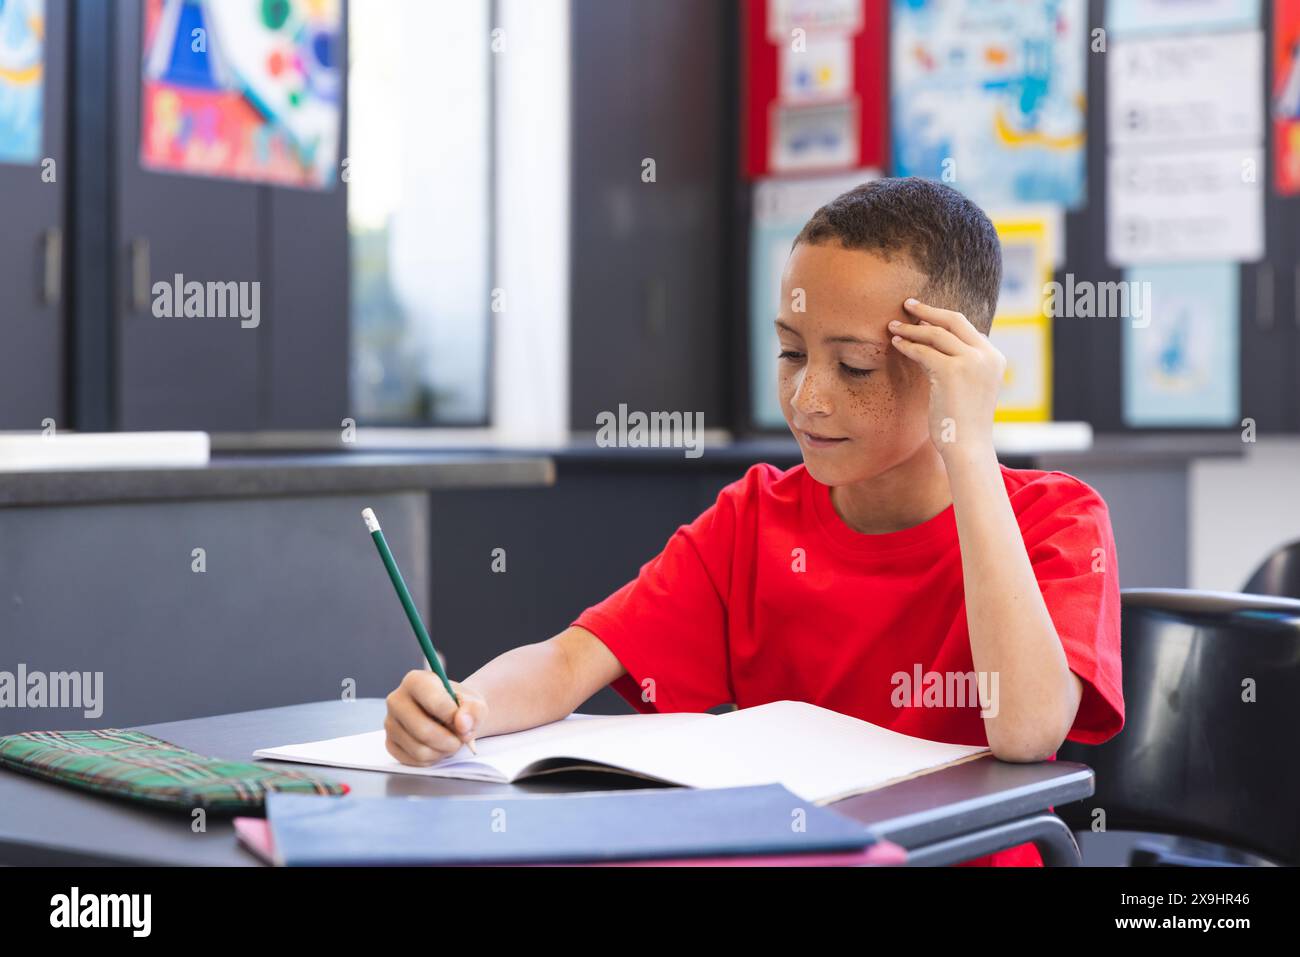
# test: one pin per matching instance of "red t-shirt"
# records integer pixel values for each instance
(769, 595)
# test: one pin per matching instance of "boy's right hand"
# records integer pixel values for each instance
(423, 723)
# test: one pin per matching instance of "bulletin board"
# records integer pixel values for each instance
(813, 86)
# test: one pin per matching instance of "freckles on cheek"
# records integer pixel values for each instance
(873, 401)
(785, 387)
(908, 384)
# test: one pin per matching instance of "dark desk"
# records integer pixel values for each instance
(941, 818)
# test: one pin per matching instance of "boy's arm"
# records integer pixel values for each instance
(1012, 635)
(544, 682)
(1011, 631)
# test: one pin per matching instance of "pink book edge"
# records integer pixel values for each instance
(255, 834)
(880, 854)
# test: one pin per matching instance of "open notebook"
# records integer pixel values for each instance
(820, 755)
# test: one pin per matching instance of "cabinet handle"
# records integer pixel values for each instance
(140, 275)
(1295, 297)
(1264, 295)
(657, 307)
(52, 278)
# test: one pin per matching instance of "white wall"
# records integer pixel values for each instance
(1242, 509)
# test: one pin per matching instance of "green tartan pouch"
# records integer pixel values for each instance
(140, 767)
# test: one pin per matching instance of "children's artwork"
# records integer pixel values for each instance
(1026, 267)
(243, 89)
(1021, 329)
(781, 207)
(820, 70)
(22, 79)
(1049, 214)
(1181, 363)
(989, 95)
(811, 138)
(1130, 17)
(1286, 96)
(1026, 394)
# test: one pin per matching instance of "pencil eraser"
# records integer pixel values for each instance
(372, 523)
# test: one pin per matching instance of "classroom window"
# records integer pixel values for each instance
(419, 211)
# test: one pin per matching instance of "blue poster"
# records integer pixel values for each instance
(22, 79)
(1181, 345)
(989, 96)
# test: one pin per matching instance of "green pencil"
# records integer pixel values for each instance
(412, 613)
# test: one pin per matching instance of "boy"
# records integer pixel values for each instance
(900, 547)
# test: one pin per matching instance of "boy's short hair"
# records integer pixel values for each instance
(946, 236)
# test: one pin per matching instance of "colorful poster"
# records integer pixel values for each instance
(1181, 364)
(22, 80)
(1021, 329)
(243, 89)
(821, 70)
(1130, 17)
(1049, 214)
(1286, 96)
(1026, 267)
(812, 138)
(781, 208)
(1027, 380)
(989, 95)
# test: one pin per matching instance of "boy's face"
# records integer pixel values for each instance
(857, 406)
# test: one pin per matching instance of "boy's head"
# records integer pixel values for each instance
(851, 267)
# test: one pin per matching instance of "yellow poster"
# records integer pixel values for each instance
(1022, 331)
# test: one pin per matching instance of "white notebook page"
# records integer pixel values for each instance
(816, 753)
(500, 757)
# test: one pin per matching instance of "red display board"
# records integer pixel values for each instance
(815, 86)
(1286, 96)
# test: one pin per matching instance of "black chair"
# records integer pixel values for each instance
(1193, 759)
(1279, 575)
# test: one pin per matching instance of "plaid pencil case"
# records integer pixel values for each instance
(140, 767)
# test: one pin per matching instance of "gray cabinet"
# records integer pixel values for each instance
(218, 374)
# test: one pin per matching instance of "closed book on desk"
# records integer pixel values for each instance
(588, 827)
(255, 836)
(819, 754)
